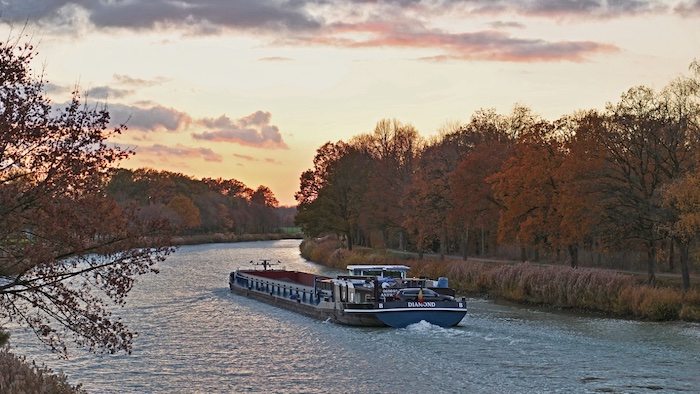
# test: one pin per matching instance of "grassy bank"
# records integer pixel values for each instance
(593, 290)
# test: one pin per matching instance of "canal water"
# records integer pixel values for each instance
(194, 336)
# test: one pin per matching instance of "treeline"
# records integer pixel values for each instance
(608, 186)
(199, 206)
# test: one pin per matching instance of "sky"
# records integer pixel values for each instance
(250, 89)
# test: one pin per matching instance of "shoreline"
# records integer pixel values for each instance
(581, 291)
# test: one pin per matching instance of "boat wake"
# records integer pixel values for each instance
(423, 327)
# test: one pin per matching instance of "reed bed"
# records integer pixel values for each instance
(17, 376)
(585, 289)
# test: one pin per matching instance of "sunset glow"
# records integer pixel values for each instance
(250, 89)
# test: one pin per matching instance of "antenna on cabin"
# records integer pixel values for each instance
(266, 263)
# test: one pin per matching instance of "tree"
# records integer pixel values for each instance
(578, 176)
(66, 251)
(264, 208)
(684, 196)
(392, 149)
(331, 193)
(429, 198)
(187, 212)
(474, 203)
(645, 146)
(526, 188)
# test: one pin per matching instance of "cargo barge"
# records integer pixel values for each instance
(369, 296)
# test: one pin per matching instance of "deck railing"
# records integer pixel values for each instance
(291, 291)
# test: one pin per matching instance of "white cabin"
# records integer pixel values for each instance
(379, 271)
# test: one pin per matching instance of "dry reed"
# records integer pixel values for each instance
(17, 376)
(595, 290)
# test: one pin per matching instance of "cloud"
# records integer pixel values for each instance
(52, 88)
(153, 118)
(355, 24)
(688, 8)
(106, 92)
(558, 9)
(274, 16)
(275, 59)
(253, 130)
(506, 25)
(269, 160)
(178, 151)
(137, 82)
(244, 157)
(272, 160)
(489, 45)
(200, 15)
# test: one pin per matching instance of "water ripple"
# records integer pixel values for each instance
(197, 337)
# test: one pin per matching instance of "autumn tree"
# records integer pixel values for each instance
(392, 149)
(526, 188)
(226, 205)
(645, 147)
(188, 215)
(683, 196)
(264, 208)
(331, 193)
(429, 200)
(66, 251)
(582, 222)
(475, 206)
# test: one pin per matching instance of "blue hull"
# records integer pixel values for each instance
(403, 318)
(400, 314)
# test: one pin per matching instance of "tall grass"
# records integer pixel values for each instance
(593, 290)
(17, 376)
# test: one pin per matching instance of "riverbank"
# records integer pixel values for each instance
(199, 239)
(585, 289)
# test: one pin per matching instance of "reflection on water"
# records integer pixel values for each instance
(194, 336)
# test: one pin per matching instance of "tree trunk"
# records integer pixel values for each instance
(523, 253)
(420, 247)
(685, 274)
(443, 243)
(483, 242)
(671, 257)
(573, 253)
(465, 248)
(651, 257)
(349, 239)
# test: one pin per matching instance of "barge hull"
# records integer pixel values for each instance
(292, 305)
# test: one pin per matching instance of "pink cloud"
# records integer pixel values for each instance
(179, 151)
(491, 45)
(253, 130)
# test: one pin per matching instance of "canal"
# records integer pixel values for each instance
(194, 336)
